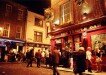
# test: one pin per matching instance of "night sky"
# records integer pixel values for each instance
(36, 6)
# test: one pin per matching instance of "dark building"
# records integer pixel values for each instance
(12, 25)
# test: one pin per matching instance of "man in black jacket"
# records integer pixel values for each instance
(79, 59)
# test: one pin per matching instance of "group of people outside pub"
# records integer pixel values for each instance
(79, 60)
(82, 60)
(11, 55)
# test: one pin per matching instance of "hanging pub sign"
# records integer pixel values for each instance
(49, 14)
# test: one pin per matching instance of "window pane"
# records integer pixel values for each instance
(37, 36)
(18, 35)
(18, 32)
(20, 14)
(38, 22)
(6, 30)
(8, 10)
(65, 12)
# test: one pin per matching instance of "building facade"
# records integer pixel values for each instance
(12, 26)
(78, 23)
(37, 32)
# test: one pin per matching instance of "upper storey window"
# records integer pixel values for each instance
(20, 14)
(8, 10)
(6, 30)
(38, 36)
(18, 32)
(38, 22)
(65, 12)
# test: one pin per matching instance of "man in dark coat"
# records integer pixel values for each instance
(79, 58)
(38, 56)
(55, 60)
(29, 57)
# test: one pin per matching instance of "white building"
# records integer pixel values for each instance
(36, 32)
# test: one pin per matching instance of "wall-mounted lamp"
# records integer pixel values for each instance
(86, 9)
(85, 15)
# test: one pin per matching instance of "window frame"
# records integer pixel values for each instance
(65, 12)
(38, 24)
(36, 36)
(18, 32)
(8, 10)
(6, 30)
(20, 15)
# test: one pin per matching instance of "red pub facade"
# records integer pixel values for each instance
(80, 23)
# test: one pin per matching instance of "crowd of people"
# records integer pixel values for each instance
(81, 60)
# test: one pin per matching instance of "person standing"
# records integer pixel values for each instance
(55, 60)
(79, 59)
(89, 59)
(47, 57)
(38, 56)
(98, 59)
(29, 56)
(0, 54)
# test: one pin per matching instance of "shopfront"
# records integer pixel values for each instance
(10, 45)
(36, 46)
(92, 34)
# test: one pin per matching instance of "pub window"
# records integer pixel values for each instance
(38, 22)
(6, 30)
(37, 36)
(8, 10)
(18, 32)
(65, 12)
(20, 14)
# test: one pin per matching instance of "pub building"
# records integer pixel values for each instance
(86, 28)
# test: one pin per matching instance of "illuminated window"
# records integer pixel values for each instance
(6, 30)
(65, 12)
(18, 32)
(37, 36)
(38, 22)
(8, 10)
(20, 14)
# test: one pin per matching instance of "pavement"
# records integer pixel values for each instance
(85, 73)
